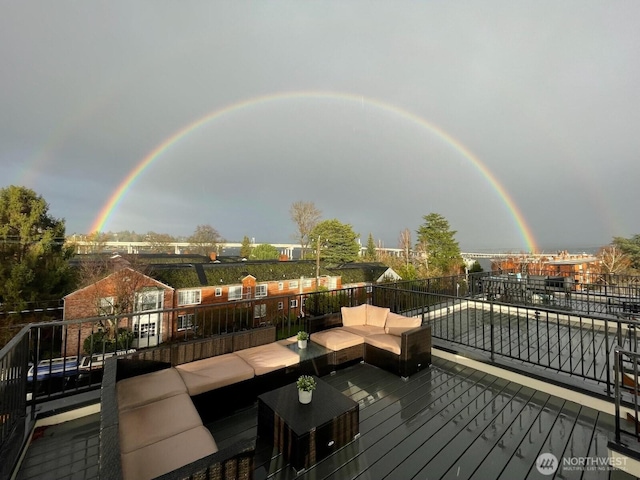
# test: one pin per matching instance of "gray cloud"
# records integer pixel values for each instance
(543, 93)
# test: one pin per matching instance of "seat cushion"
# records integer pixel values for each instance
(398, 324)
(166, 455)
(269, 357)
(354, 315)
(215, 372)
(336, 339)
(385, 342)
(364, 330)
(150, 387)
(376, 316)
(150, 423)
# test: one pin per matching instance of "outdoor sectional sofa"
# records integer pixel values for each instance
(394, 342)
(155, 404)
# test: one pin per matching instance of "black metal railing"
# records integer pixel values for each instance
(626, 392)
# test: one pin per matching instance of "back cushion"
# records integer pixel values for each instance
(376, 316)
(352, 316)
(397, 324)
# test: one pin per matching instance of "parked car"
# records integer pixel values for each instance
(53, 375)
(91, 366)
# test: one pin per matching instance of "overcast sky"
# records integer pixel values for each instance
(545, 94)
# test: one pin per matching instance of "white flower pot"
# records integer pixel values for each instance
(304, 396)
(302, 343)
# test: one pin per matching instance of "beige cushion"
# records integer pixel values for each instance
(336, 339)
(376, 316)
(364, 330)
(269, 357)
(215, 372)
(398, 324)
(150, 387)
(384, 341)
(150, 423)
(354, 315)
(288, 341)
(166, 455)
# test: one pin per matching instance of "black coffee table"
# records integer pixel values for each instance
(313, 360)
(305, 434)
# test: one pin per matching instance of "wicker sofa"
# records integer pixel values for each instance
(397, 343)
(142, 437)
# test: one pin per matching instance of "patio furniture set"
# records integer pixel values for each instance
(156, 402)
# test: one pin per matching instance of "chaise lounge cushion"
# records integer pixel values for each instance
(136, 391)
(385, 341)
(376, 316)
(352, 316)
(398, 324)
(268, 358)
(214, 372)
(337, 338)
(150, 423)
(168, 454)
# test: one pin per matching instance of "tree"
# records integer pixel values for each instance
(306, 216)
(336, 242)
(245, 248)
(205, 240)
(437, 245)
(404, 243)
(371, 253)
(33, 257)
(613, 261)
(476, 267)
(265, 251)
(631, 248)
(159, 241)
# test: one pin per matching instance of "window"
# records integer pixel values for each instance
(185, 321)
(144, 330)
(235, 292)
(293, 303)
(306, 283)
(218, 291)
(189, 297)
(260, 311)
(261, 290)
(369, 289)
(280, 285)
(280, 305)
(106, 306)
(333, 283)
(293, 284)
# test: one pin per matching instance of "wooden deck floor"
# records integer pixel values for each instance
(445, 422)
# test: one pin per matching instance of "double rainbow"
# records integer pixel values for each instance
(116, 197)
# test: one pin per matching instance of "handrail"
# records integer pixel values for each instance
(634, 358)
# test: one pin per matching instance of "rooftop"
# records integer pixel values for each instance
(448, 421)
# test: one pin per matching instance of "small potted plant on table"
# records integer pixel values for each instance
(303, 337)
(306, 385)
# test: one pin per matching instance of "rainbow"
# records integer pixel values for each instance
(117, 196)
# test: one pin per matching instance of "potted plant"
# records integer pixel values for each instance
(303, 337)
(306, 385)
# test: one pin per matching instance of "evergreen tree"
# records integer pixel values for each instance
(265, 252)
(245, 248)
(33, 257)
(370, 253)
(337, 242)
(437, 245)
(631, 248)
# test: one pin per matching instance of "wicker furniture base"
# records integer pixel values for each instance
(305, 434)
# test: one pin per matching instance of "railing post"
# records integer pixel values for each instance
(492, 333)
(617, 392)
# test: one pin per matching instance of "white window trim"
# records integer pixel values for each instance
(194, 297)
(280, 305)
(237, 292)
(293, 303)
(106, 306)
(293, 284)
(218, 291)
(262, 290)
(190, 317)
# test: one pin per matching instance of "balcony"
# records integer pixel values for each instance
(507, 384)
